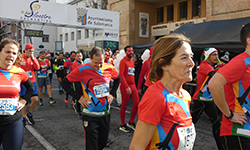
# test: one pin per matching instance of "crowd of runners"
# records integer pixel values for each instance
(166, 116)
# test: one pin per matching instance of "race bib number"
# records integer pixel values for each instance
(186, 137)
(61, 66)
(29, 74)
(101, 90)
(43, 66)
(8, 106)
(131, 71)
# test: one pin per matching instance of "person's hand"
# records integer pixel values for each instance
(239, 118)
(84, 101)
(110, 98)
(128, 90)
(139, 91)
(21, 104)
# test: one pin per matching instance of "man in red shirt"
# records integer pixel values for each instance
(230, 91)
(43, 78)
(202, 98)
(95, 98)
(128, 89)
(30, 64)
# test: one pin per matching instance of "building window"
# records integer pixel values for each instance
(183, 9)
(93, 33)
(45, 38)
(86, 33)
(170, 13)
(79, 34)
(66, 37)
(196, 8)
(61, 37)
(160, 15)
(72, 36)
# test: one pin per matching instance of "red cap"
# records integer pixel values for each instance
(29, 46)
(151, 51)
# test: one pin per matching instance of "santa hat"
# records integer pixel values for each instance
(48, 54)
(207, 52)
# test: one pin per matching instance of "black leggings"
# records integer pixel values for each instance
(210, 109)
(236, 142)
(78, 88)
(11, 136)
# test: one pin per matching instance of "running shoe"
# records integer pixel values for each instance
(30, 119)
(66, 101)
(52, 101)
(75, 108)
(124, 128)
(24, 123)
(73, 103)
(109, 142)
(80, 116)
(131, 126)
(41, 102)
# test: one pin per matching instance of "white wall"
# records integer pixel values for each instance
(36, 41)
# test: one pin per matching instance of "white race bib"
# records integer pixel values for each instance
(29, 74)
(131, 71)
(61, 66)
(8, 106)
(101, 90)
(186, 137)
(43, 66)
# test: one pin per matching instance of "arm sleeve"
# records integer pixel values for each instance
(122, 68)
(66, 86)
(29, 89)
(151, 108)
(55, 65)
(141, 77)
(36, 64)
(115, 86)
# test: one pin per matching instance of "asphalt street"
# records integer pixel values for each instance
(57, 127)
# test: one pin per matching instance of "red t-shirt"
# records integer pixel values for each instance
(29, 66)
(76, 64)
(43, 73)
(237, 73)
(127, 71)
(68, 63)
(144, 72)
(9, 93)
(202, 74)
(97, 82)
(169, 113)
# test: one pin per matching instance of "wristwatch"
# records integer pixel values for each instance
(231, 116)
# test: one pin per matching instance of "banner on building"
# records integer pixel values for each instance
(143, 25)
(49, 13)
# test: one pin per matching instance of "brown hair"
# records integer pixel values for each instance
(98, 51)
(6, 41)
(165, 48)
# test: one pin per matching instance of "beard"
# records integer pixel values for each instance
(130, 55)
